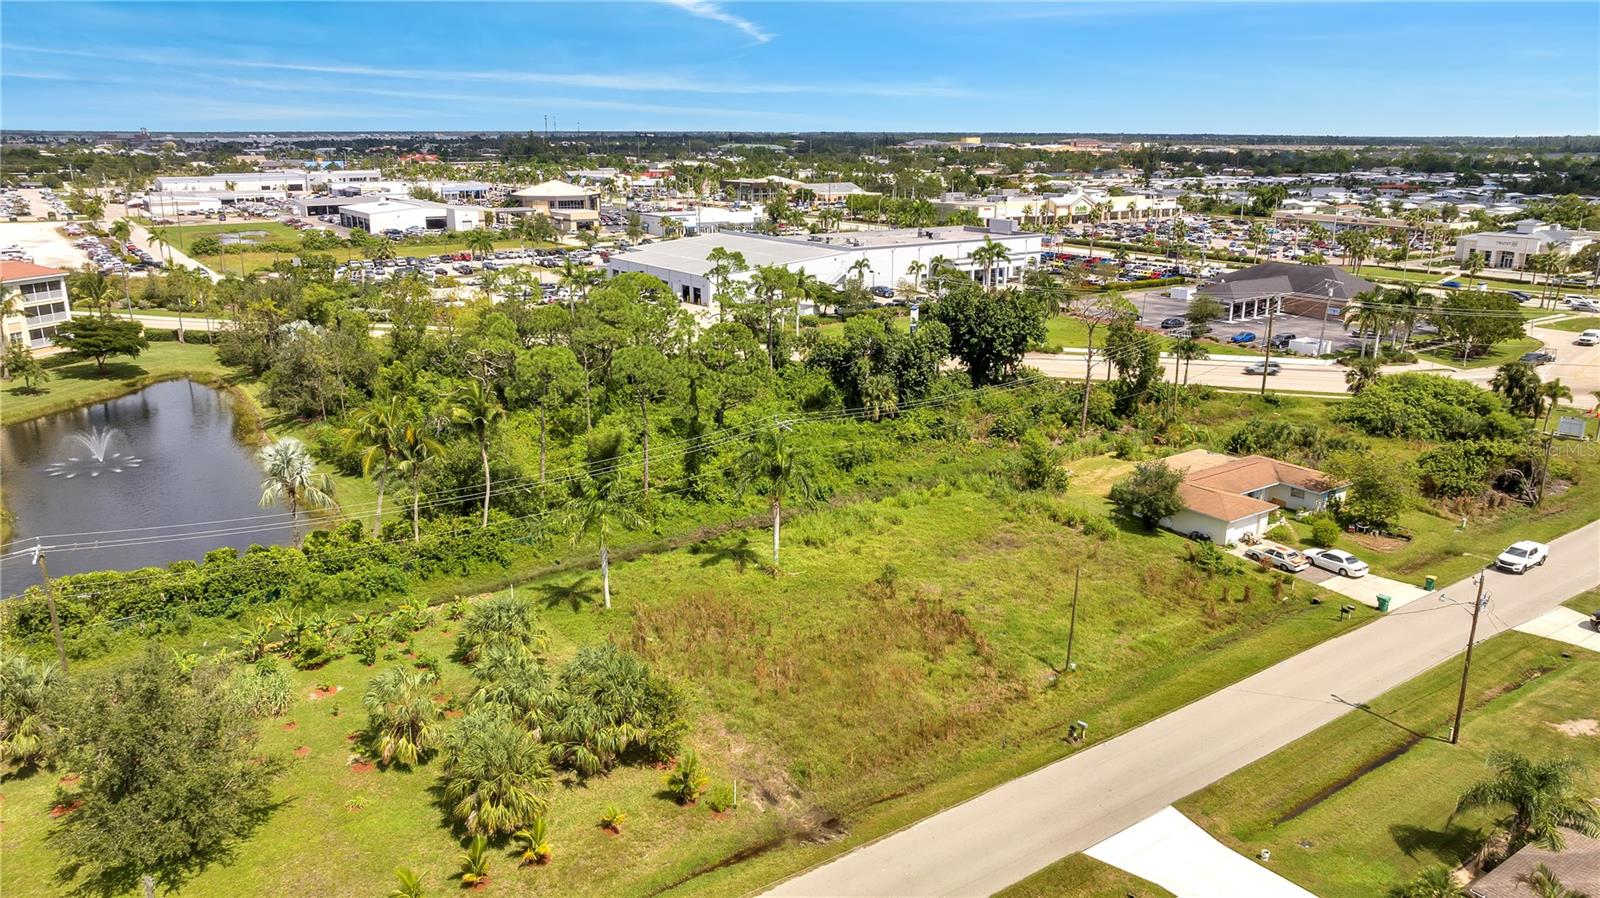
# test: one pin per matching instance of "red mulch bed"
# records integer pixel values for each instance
(290, 725)
(319, 693)
(363, 767)
(70, 779)
(62, 810)
(302, 752)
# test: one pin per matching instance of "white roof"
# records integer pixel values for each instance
(688, 255)
(552, 189)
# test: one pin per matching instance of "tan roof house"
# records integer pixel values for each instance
(1577, 866)
(1226, 498)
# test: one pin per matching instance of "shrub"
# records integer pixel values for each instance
(1324, 532)
(261, 689)
(535, 842)
(475, 862)
(1150, 493)
(1038, 465)
(686, 781)
(720, 798)
(1207, 557)
(1281, 534)
(612, 818)
(1428, 406)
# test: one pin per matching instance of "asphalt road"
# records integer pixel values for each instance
(1014, 830)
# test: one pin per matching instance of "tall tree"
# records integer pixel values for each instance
(773, 466)
(169, 776)
(645, 375)
(377, 433)
(476, 408)
(101, 337)
(290, 475)
(989, 332)
(1518, 383)
(601, 509)
(547, 378)
(1552, 392)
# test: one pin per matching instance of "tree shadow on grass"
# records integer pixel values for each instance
(170, 875)
(574, 595)
(740, 554)
(26, 390)
(1453, 844)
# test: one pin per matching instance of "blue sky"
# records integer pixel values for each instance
(1295, 68)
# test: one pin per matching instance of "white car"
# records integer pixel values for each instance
(1590, 337)
(1279, 557)
(1523, 556)
(1340, 562)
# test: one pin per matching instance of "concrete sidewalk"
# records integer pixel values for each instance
(1016, 829)
(1565, 625)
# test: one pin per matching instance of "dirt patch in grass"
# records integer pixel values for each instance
(303, 752)
(1375, 542)
(1585, 727)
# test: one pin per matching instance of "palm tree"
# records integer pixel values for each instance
(1434, 882)
(121, 230)
(92, 288)
(577, 278)
(1553, 391)
(407, 884)
(1189, 350)
(1546, 884)
(376, 434)
(496, 774)
(291, 476)
(772, 285)
(1544, 797)
(1518, 383)
(600, 509)
(535, 842)
(1258, 237)
(414, 449)
(480, 242)
(25, 701)
(772, 465)
(879, 394)
(1361, 373)
(859, 269)
(988, 258)
(1365, 313)
(476, 408)
(402, 715)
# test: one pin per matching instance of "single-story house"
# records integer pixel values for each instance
(1226, 498)
(1577, 866)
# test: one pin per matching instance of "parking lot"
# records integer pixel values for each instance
(1157, 305)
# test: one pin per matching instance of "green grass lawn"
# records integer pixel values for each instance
(1499, 354)
(1364, 803)
(1064, 331)
(75, 383)
(183, 236)
(1575, 325)
(1081, 876)
(1588, 602)
(899, 663)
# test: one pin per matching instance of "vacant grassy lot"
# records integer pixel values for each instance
(1081, 876)
(1063, 331)
(1498, 355)
(182, 236)
(1365, 802)
(1575, 325)
(74, 383)
(902, 661)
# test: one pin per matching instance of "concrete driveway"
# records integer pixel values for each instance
(1565, 625)
(1363, 589)
(1169, 850)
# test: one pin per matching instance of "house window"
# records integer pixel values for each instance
(1297, 494)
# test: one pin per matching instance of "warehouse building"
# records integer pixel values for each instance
(376, 216)
(833, 258)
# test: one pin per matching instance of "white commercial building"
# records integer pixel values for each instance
(242, 183)
(1076, 207)
(833, 258)
(398, 214)
(1511, 249)
(704, 220)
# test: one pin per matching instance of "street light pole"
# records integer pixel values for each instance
(1466, 665)
(1072, 628)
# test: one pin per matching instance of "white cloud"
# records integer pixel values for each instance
(633, 82)
(708, 10)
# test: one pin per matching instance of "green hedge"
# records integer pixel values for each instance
(163, 335)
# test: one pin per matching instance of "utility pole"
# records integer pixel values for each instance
(50, 599)
(1466, 666)
(1072, 628)
(1266, 361)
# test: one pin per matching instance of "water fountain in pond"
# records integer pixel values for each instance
(97, 442)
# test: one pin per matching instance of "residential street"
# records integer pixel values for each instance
(1016, 829)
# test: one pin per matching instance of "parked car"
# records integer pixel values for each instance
(1521, 557)
(1340, 562)
(1281, 341)
(1280, 557)
(1169, 323)
(1590, 337)
(1583, 305)
(883, 292)
(1267, 368)
(1453, 285)
(1243, 337)
(1519, 295)
(1539, 357)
